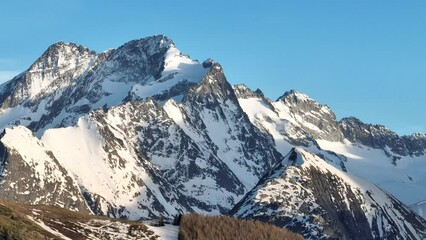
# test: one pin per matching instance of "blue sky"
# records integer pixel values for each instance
(363, 58)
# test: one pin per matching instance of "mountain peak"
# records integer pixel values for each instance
(208, 63)
(357, 123)
(150, 45)
(293, 158)
(61, 44)
(244, 92)
(308, 111)
(60, 64)
(62, 47)
(295, 96)
(215, 84)
(60, 54)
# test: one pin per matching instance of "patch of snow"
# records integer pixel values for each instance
(49, 229)
(167, 232)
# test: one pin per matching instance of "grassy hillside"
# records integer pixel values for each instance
(20, 221)
(15, 225)
(195, 226)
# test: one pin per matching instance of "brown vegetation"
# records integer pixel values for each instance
(15, 225)
(17, 222)
(195, 226)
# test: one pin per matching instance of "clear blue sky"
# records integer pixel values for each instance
(365, 58)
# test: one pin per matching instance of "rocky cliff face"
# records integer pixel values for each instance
(378, 136)
(316, 119)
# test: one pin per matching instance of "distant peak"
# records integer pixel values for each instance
(356, 121)
(57, 51)
(241, 87)
(61, 45)
(162, 40)
(419, 135)
(208, 63)
(214, 84)
(244, 92)
(352, 119)
(158, 41)
(293, 94)
(295, 98)
(149, 46)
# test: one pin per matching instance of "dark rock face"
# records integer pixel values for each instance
(378, 136)
(242, 91)
(415, 144)
(346, 222)
(181, 88)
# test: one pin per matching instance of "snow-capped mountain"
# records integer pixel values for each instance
(143, 131)
(68, 81)
(306, 194)
(188, 147)
(373, 152)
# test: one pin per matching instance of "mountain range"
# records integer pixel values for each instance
(144, 131)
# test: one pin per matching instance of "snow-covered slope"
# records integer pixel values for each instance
(405, 179)
(273, 118)
(308, 195)
(115, 179)
(419, 208)
(30, 173)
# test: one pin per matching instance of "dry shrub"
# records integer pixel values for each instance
(195, 226)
